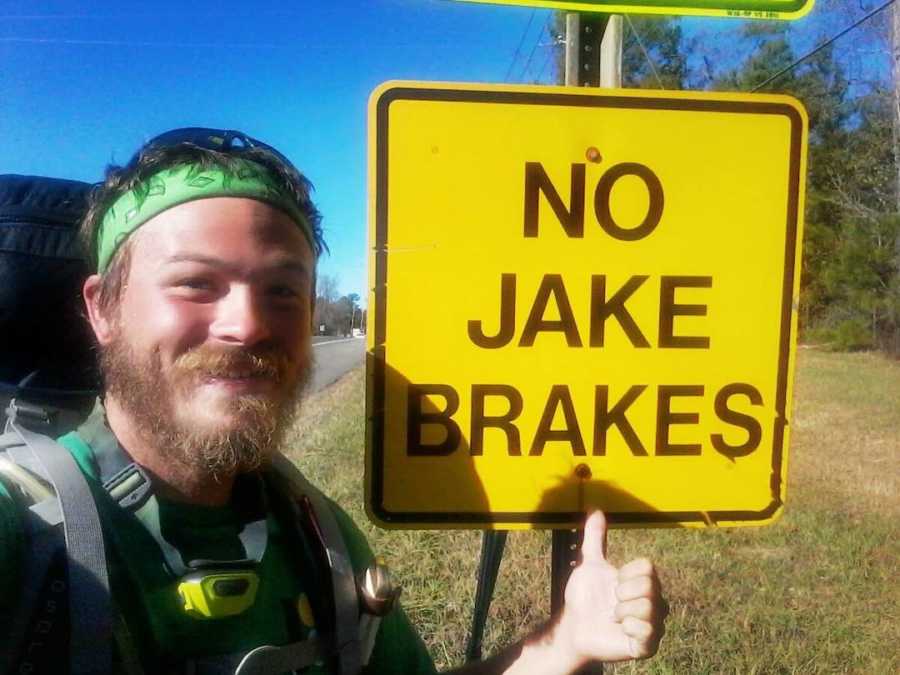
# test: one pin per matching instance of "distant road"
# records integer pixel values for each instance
(333, 358)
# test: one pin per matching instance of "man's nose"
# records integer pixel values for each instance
(240, 318)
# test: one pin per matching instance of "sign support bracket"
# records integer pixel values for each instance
(492, 544)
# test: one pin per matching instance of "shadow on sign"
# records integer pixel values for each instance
(423, 469)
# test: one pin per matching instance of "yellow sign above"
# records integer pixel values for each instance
(741, 9)
(580, 300)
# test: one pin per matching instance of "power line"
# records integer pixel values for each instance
(133, 43)
(533, 50)
(822, 46)
(646, 53)
(550, 52)
(521, 42)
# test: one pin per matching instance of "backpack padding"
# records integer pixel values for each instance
(45, 200)
(90, 605)
(42, 271)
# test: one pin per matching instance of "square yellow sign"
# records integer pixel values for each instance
(580, 300)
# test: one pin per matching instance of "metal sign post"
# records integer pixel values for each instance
(590, 62)
(596, 63)
(583, 68)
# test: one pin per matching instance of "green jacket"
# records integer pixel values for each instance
(145, 593)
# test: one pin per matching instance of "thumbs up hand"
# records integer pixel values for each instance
(610, 614)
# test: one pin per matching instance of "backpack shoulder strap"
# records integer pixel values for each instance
(348, 648)
(41, 544)
(90, 607)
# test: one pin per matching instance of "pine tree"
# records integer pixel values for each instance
(652, 53)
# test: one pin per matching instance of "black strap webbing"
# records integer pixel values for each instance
(343, 580)
(90, 607)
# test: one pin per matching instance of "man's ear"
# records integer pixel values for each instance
(99, 318)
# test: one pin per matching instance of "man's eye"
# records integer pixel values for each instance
(280, 291)
(196, 283)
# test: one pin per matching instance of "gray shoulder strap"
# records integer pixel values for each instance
(343, 580)
(90, 607)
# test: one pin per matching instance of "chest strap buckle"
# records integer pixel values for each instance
(130, 487)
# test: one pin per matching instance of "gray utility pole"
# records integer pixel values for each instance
(611, 53)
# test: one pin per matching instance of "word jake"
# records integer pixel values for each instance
(421, 412)
(604, 305)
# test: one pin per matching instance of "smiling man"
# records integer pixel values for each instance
(221, 558)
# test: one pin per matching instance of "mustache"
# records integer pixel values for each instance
(235, 362)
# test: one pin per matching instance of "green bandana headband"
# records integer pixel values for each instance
(184, 183)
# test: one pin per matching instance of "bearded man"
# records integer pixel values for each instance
(205, 247)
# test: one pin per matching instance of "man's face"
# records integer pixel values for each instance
(210, 343)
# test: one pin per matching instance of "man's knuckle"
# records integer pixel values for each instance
(638, 628)
(644, 566)
(644, 608)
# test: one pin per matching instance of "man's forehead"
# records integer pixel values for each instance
(276, 263)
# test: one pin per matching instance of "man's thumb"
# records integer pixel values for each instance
(593, 547)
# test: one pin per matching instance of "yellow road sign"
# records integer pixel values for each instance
(741, 9)
(580, 300)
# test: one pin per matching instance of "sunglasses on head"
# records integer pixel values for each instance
(222, 140)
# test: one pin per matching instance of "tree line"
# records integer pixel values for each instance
(336, 315)
(850, 288)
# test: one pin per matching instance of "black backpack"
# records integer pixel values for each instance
(45, 347)
(47, 386)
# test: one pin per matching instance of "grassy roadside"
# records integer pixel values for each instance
(814, 593)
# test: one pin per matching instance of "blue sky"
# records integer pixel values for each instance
(80, 88)
(84, 83)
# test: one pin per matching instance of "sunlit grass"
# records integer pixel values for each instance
(816, 592)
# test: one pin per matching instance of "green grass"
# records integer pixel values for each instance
(817, 592)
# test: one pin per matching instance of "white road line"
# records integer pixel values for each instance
(334, 342)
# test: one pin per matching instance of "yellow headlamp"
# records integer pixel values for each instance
(218, 594)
